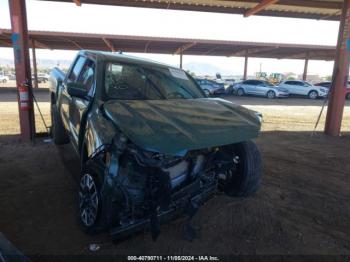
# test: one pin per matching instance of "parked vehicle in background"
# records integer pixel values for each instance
(3, 78)
(303, 88)
(229, 81)
(42, 78)
(211, 87)
(260, 88)
(273, 78)
(151, 144)
(276, 78)
(231, 89)
(327, 84)
(11, 76)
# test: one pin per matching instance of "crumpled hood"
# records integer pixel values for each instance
(176, 126)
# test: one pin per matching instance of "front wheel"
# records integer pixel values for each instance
(245, 177)
(348, 96)
(206, 92)
(240, 92)
(313, 95)
(271, 95)
(97, 212)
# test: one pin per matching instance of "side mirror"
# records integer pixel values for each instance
(76, 89)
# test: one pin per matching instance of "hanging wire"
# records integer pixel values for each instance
(41, 115)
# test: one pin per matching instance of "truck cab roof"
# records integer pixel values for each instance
(121, 57)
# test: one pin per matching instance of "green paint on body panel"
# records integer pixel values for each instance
(175, 126)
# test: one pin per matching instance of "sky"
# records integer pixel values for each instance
(53, 16)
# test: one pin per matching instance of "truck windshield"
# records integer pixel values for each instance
(135, 82)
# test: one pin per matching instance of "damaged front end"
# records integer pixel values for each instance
(149, 187)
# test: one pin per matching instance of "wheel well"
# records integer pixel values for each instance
(313, 90)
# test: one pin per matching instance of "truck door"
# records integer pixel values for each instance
(78, 105)
(65, 98)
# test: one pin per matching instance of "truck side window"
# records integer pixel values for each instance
(87, 75)
(73, 76)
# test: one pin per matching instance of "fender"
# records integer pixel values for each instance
(98, 131)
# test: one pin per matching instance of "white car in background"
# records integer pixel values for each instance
(303, 88)
(4, 79)
(260, 88)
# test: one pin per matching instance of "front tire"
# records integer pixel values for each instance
(206, 92)
(313, 95)
(246, 178)
(97, 213)
(271, 95)
(240, 92)
(58, 132)
(348, 96)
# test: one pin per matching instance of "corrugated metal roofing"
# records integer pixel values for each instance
(314, 9)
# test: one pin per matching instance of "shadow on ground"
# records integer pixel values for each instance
(302, 207)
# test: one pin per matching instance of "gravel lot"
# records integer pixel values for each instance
(302, 207)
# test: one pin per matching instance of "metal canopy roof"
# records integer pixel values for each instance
(315, 9)
(164, 45)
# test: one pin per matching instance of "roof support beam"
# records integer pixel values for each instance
(40, 45)
(252, 51)
(209, 51)
(183, 48)
(109, 44)
(73, 42)
(337, 13)
(299, 55)
(5, 43)
(311, 54)
(259, 7)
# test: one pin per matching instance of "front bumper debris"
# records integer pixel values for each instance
(194, 194)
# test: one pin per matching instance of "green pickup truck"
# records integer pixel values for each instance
(151, 144)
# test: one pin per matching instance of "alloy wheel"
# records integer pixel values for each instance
(313, 95)
(240, 92)
(88, 200)
(271, 95)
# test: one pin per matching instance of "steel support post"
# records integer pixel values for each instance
(306, 66)
(22, 66)
(181, 60)
(245, 73)
(35, 71)
(340, 75)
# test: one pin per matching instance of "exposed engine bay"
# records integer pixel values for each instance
(154, 183)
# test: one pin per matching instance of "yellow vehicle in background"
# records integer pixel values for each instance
(273, 78)
(261, 76)
(276, 78)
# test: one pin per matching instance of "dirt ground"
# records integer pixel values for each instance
(301, 209)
